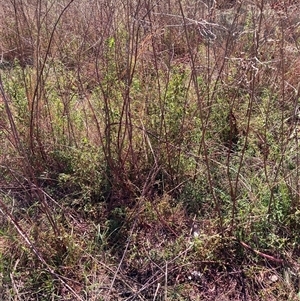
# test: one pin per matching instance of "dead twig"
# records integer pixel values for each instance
(269, 257)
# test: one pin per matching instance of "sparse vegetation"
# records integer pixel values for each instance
(149, 151)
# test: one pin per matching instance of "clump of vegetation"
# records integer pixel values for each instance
(149, 151)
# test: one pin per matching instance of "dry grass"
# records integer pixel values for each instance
(126, 125)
